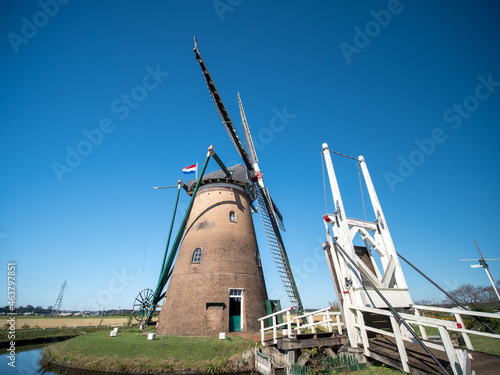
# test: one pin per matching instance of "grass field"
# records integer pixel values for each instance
(378, 370)
(47, 334)
(23, 322)
(130, 352)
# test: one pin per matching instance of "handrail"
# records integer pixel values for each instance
(443, 327)
(275, 326)
(401, 336)
(457, 313)
(326, 312)
(296, 330)
(314, 313)
(276, 313)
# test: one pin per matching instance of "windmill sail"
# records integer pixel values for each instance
(221, 109)
(271, 218)
(246, 132)
(277, 247)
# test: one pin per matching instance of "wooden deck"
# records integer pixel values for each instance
(385, 350)
(309, 340)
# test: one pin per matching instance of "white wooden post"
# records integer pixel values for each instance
(310, 321)
(364, 335)
(329, 321)
(345, 300)
(468, 343)
(400, 343)
(339, 323)
(423, 332)
(464, 359)
(379, 214)
(342, 231)
(262, 331)
(275, 339)
(450, 351)
(289, 323)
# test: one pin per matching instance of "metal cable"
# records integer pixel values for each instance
(392, 310)
(146, 241)
(346, 156)
(447, 294)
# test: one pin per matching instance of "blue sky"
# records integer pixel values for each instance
(102, 101)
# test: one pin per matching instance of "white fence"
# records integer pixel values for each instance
(458, 361)
(329, 319)
(458, 313)
(298, 324)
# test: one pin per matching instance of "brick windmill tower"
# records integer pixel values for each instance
(217, 284)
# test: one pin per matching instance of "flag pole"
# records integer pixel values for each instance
(196, 170)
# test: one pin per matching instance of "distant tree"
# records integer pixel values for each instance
(471, 295)
(335, 305)
(430, 302)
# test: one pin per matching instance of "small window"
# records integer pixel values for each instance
(232, 217)
(257, 259)
(196, 256)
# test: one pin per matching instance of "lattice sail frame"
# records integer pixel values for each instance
(348, 282)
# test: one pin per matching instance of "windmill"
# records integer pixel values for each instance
(271, 218)
(483, 264)
(217, 284)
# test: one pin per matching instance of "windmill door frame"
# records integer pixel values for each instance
(235, 309)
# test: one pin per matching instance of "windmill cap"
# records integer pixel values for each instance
(239, 177)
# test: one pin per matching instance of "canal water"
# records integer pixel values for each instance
(27, 362)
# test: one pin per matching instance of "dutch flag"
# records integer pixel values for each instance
(191, 169)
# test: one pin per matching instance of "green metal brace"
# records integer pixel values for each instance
(166, 268)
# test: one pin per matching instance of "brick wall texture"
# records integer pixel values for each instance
(230, 260)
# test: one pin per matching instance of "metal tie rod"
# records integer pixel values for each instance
(394, 312)
(447, 294)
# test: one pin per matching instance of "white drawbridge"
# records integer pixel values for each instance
(376, 308)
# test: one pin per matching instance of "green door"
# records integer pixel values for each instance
(235, 310)
(234, 323)
(272, 306)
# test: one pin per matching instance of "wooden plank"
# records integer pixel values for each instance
(484, 363)
(362, 254)
(385, 350)
(417, 357)
(305, 344)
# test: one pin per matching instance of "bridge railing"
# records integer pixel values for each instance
(297, 324)
(458, 315)
(274, 327)
(326, 320)
(400, 335)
